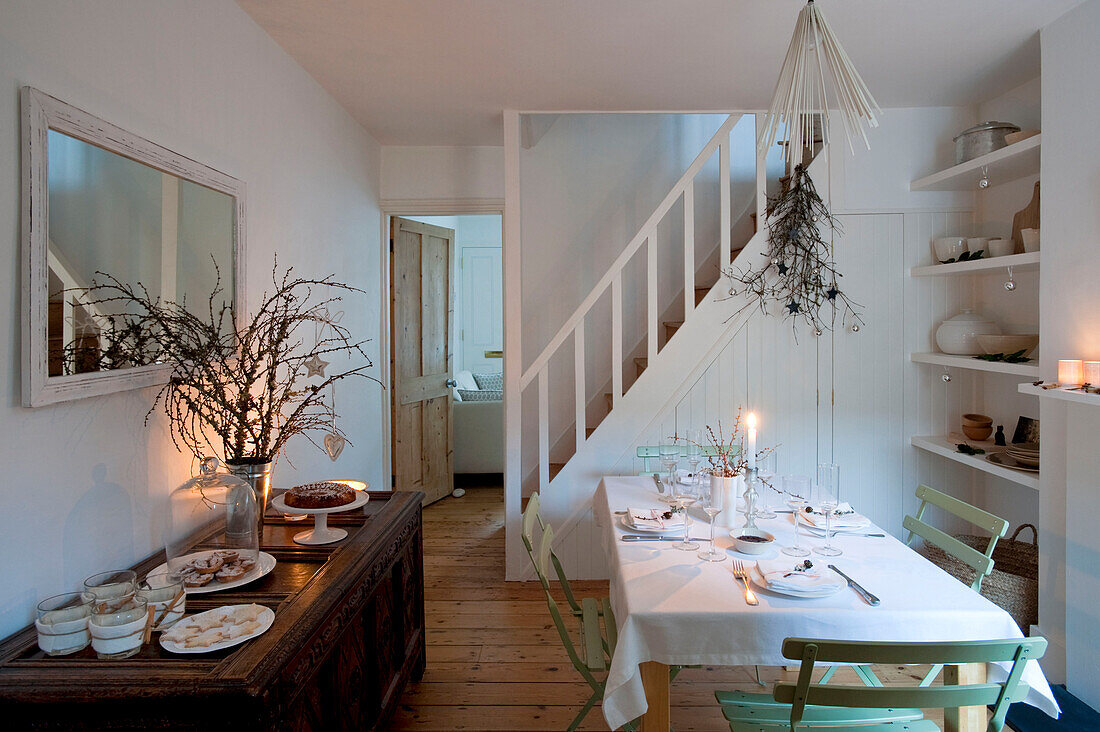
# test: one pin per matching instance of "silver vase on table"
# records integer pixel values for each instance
(257, 475)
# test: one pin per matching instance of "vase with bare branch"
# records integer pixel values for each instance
(238, 387)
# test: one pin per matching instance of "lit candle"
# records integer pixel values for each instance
(1071, 371)
(1092, 373)
(750, 443)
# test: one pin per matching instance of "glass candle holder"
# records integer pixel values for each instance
(1092, 373)
(62, 623)
(113, 587)
(118, 629)
(166, 597)
(1071, 371)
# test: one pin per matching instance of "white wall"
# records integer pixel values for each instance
(417, 172)
(1070, 318)
(86, 481)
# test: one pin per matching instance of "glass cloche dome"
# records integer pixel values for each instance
(212, 502)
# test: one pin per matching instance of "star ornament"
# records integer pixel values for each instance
(792, 307)
(315, 366)
(831, 293)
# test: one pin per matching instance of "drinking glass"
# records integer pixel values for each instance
(62, 623)
(827, 497)
(684, 498)
(669, 451)
(113, 587)
(797, 490)
(706, 497)
(766, 485)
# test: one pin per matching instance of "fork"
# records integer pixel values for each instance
(741, 572)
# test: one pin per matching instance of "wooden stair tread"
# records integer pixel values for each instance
(588, 431)
(555, 468)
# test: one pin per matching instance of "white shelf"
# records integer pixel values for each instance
(942, 447)
(1004, 165)
(1029, 370)
(1018, 262)
(1062, 393)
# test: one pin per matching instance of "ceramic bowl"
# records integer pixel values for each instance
(1031, 239)
(949, 247)
(978, 433)
(976, 420)
(752, 547)
(1025, 342)
(1001, 247)
(959, 335)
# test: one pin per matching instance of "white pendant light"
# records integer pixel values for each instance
(814, 59)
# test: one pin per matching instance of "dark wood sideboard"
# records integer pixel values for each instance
(348, 635)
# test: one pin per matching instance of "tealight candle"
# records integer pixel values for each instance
(62, 623)
(1071, 371)
(1092, 373)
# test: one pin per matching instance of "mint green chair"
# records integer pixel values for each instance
(805, 705)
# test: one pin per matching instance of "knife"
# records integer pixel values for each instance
(636, 537)
(871, 599)
(660, 485)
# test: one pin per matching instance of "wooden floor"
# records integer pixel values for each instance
(495, 661)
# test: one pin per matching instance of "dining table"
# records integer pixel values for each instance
(673, 608)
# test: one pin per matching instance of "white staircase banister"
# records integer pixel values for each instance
(721, 139)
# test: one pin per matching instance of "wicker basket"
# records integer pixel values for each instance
(1014, 582)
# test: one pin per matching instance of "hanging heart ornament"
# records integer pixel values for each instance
(334, 445)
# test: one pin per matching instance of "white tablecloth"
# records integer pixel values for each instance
(674, 608)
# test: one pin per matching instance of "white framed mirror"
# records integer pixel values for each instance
(99, 201)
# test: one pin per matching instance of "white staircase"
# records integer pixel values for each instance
(663, 373)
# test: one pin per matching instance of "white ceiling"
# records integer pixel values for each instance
(439, 72)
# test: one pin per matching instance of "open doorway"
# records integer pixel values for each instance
(446, 353)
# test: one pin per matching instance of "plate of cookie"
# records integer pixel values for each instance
(216, 629)
(219, 569)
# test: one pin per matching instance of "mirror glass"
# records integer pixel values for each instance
(111, 215)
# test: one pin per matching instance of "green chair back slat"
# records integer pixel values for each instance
(981, 562)
(928, 697)
(610, 626)
(919, 725)
(590, 629)
(780, 713)
(745, 698)
(842, 651)
(530, 517)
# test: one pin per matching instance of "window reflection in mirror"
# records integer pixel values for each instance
(110, 214)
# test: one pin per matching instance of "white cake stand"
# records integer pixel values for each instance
(321, 533)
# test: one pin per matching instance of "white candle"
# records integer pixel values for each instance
(750, 443)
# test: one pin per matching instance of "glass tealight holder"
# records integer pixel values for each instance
(118, 630)
(166, 597)
(114, 587)
(62, 623)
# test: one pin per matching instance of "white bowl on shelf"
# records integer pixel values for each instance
(958, 336)
(949, 247)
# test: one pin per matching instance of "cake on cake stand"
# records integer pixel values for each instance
(321, 532)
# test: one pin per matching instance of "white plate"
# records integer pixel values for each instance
(267, 617)
(758, 580)
(836, 529)
(360, 500)
(625, 519)
(264, 564)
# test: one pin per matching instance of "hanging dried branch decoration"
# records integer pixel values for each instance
(814, 57)
(799, 278)
(246, 391)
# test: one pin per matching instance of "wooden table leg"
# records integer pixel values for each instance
(965, 719)
(655, 683)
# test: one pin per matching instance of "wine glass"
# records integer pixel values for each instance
(684, 498)
(706, 497)
(797, 489)
(694, 453)
(669, 452)
(827, 497)
(766, 485)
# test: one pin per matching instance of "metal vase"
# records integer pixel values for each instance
(257, 475)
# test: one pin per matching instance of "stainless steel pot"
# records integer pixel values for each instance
(981, 139)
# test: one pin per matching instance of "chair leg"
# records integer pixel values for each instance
(584, 711)
(758, 679)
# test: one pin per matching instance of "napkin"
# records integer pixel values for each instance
(685, 477)
(653, 518)
(843, 518)
(780, 574)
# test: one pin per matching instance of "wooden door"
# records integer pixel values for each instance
(422, 320)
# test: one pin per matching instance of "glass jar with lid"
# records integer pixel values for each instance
(213, 512)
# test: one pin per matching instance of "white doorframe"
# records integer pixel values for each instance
(413, 207)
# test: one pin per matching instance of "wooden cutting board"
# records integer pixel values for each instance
(1026, 218)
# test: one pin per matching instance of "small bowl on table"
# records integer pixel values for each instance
(752, 541)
